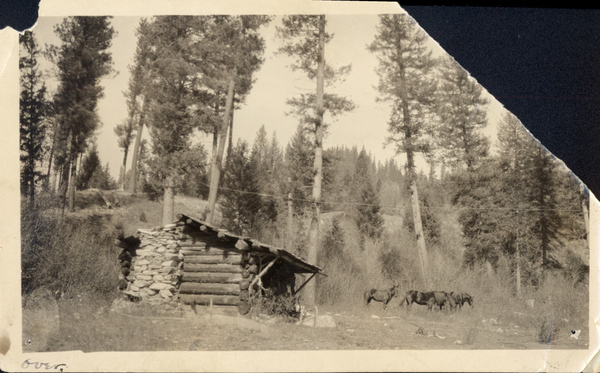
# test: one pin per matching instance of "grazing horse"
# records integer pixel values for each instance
(462, 298)
(414, 296)
(384, 296)
(429, 299)
(443, 299)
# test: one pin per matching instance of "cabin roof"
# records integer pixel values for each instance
(246, 243)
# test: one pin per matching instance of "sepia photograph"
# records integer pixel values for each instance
(304, 189)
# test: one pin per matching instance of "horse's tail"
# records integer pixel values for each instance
(366, 296)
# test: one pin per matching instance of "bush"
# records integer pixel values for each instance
(470, 335)
(68, 257)
(547, 330)
(283, 305)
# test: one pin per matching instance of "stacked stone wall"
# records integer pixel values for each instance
(155, 271)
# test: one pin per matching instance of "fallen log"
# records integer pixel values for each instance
(106, 202)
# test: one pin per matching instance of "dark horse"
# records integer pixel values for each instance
(429, 299)
(384, 296)
(461, 298)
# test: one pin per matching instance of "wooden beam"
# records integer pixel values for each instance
(241, 245)
(305, 282)
(262, 273)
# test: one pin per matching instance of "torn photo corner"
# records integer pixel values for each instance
(267, 186)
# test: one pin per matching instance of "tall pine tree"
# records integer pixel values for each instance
(83, 59)
(406, 82)
(304, 39)
(462, 114)
(242, 203)
(33, 111)
(367, 213)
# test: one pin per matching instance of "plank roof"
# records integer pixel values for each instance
(252, 245)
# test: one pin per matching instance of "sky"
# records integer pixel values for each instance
(274, 83)
(541, 63)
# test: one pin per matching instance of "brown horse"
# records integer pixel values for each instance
(414, 296)
(443, 299)
(429, 299)
(384, 296)
(461, 298)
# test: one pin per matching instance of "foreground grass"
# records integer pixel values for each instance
(90, 325)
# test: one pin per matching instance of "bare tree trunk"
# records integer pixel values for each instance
(168, 202)
(213, 160)
(65, 172)
(290, 222)
(423, 260)
(124, 169)
(313, 247)
(518, 271)
(72, 178)
(586, 219)
(218, 161)
(136, 149)
(47, 182)
(230, 141)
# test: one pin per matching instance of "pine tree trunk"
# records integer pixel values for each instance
(168, 202)
(65, 172)
(47, 182)
(216, 171)
(586, 219)
(30, 183)
(423, 260)
(213, 160)
(313, 247)
(290, 222)
(410, 165)
(72, 178)
(136, 150)
(124, 170)
(518, 271)
(230, 140)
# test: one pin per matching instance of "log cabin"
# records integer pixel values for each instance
(200, 264)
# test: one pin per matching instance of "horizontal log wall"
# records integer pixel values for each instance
(229, 268)
(209, 288)
(223, 278)
(212, 269)
(195, 250)
(220, 300)
(212, 259)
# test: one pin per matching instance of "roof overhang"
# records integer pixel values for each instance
(243, 243)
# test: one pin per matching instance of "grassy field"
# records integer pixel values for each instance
(72, 303)
(134, 327)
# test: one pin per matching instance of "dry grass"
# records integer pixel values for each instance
(84, 322)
